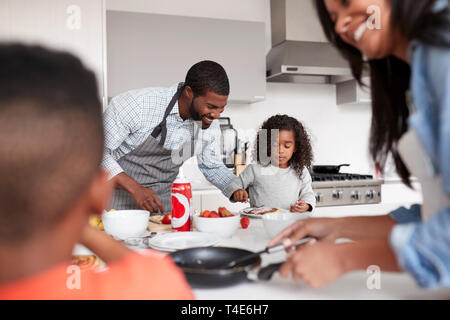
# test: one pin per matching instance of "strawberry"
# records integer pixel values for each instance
(221, 210)
(167, 219)
(214, 214)
(225, 213)
(245, 221)
(205, 214)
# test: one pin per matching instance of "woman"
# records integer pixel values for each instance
(408, 53)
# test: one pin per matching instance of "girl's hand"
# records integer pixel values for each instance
(320, 228)
(318, 264)
(240, 195)
(300, 206)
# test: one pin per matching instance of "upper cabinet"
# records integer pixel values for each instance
(295, 20)
(146, 50)
(351, 93)
(75, 26)
(300, 52)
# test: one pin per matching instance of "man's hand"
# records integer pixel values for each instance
(300, 206)
(147, 199)
(240, 195)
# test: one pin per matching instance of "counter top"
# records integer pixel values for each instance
(351, 286)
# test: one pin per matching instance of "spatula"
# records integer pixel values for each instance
(269, 250)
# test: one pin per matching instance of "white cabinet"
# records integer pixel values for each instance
(146, 50)
(213, 199)
(212, 202)
(295, 20)
(73, 25)
(351, 93)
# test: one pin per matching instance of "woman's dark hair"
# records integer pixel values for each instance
(303, 154)
(207, 75)
(390, 77)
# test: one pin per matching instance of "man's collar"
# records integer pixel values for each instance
(173, 90)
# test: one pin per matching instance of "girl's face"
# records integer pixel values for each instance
(365, 25)
(283, 150)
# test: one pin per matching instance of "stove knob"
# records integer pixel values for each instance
(318, 197)
(337, 194)
(355, 195)
(370, 194)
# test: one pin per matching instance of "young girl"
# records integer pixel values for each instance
(280, 178)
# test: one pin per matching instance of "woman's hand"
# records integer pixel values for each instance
(320, 228)
(320, 263)
(330, 229)
(300, 206)
(317, 263)
(240, 195)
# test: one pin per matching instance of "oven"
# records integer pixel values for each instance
(342, 189)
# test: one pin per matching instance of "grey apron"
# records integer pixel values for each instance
(152, 165)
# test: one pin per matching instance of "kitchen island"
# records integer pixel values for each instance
(352, 286)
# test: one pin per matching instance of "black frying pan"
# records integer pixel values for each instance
(199, 266)
(329, 169)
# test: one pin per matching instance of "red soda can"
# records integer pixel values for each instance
(181, 204)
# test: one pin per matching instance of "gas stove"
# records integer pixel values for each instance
(342, 189)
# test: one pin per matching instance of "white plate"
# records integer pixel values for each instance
(245, 212)
(182, 240)
(144, 234)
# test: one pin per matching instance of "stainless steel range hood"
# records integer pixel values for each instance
(295, 59)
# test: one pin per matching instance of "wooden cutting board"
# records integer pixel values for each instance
(155, 225)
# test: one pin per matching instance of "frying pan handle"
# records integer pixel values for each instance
(267, 272)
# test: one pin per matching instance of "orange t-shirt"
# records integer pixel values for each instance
(144, 275)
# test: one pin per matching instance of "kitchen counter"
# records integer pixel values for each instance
(352, 286)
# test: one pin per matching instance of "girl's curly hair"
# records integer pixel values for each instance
(302, 157)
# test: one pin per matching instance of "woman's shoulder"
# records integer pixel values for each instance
(433, 58)
(430, 68)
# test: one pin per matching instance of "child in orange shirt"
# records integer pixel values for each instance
(51, 139)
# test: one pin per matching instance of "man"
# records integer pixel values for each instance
(149, 133)
(51, 140)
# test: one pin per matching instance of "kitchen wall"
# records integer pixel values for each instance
(338, 134)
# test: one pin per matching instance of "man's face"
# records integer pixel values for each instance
(207, 108)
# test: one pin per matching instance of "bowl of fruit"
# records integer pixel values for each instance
(221, 222)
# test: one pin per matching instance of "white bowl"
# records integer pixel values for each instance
(274, 223)
(123, 224)
(224, 226)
